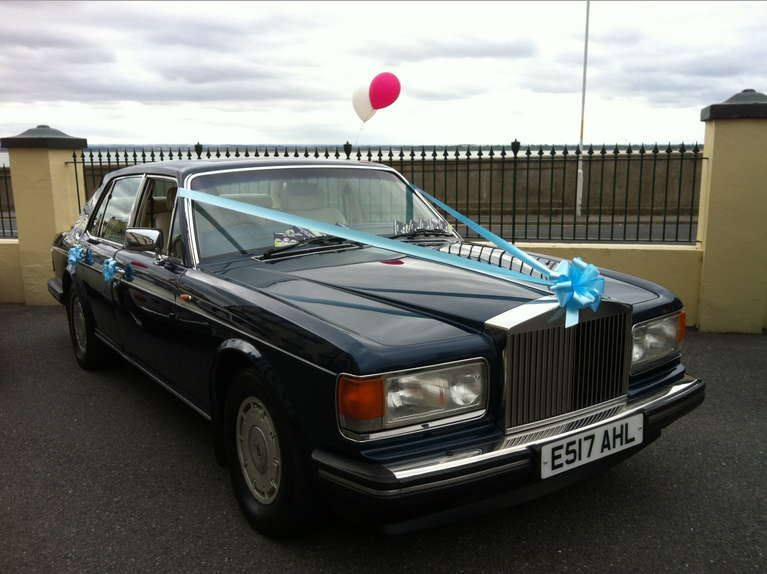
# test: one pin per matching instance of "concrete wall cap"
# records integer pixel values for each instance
(745, 105)
(45, 137)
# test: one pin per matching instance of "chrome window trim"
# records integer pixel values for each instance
(190, 178)
(191, 233)
(419, 427)
(104, 241)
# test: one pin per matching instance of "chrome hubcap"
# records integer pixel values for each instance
(258, 450)
(78, 322)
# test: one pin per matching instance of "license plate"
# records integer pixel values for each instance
(587, 446)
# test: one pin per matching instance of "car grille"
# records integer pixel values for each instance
(553, 371)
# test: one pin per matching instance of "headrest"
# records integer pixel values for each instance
(301, 195)
(170, 198)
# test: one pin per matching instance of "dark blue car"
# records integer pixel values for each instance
(388, 387)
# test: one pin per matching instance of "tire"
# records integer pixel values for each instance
(89, 351)
(269, 466)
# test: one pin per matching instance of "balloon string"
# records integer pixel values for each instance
(359, 131)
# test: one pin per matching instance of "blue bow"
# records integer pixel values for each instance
(110, 269)
(77, 254)
(577, 285)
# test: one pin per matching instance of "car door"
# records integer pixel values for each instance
(104, 237)
(146, 289)
(155, 335)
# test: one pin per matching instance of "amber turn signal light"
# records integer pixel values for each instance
(360, 398)
(681, 330)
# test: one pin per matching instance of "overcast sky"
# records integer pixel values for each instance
(284, 73)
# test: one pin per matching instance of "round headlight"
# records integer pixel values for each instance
(466, 391)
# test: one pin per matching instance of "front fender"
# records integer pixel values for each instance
(232, 354)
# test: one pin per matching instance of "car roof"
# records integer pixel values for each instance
(180, 169)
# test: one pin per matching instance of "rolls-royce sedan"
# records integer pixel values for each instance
(339, 373)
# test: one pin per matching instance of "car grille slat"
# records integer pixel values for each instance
(553, 371)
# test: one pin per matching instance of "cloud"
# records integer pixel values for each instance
(556, 80)
(444, 93)
(42, 38)
(198, 73)
(617, 36)
(63, 86)
(429, 49)
(660, 73)
(284, 72)
(683, 77)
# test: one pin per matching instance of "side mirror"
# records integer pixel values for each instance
(143, 239)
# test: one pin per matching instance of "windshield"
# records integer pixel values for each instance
(370, 200)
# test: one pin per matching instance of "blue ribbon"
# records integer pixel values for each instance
(77, 254)
(488, 235)
(109, 270)
(74, 256)
(577, 285)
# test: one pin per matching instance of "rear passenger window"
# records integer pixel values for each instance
(113, 214)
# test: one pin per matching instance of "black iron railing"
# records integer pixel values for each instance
(529, 193)
(7, 209)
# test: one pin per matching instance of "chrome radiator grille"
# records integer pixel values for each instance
(552, 371)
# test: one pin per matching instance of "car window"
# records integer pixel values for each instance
(112, 218)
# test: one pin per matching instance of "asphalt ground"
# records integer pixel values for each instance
(106, 472)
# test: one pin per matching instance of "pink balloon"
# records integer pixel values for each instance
(384, 90)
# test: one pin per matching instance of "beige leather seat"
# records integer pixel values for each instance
(306, 200)
(162, 219)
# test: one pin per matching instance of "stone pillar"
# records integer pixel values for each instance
(45, 196)
(733, 215)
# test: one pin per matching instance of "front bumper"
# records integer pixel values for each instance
(56, 289)
(416, 493)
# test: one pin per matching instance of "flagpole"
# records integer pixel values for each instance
(579, 192)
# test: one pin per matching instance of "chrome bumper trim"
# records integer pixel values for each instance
(440, 483)
(512, 444)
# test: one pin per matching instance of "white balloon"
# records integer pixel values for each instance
(361, 102)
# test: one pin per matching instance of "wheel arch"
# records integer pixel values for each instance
(232, 355)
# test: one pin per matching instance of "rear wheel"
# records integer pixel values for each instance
(269, 469)
(89, 351)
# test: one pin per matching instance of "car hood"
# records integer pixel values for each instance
(410, 285)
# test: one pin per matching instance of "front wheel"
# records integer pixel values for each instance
(269, 469)
(89, 351)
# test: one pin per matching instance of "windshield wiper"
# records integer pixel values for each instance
(319, 240)
(422, 232)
